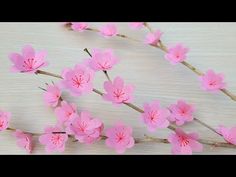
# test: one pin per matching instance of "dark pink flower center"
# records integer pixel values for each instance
(104, 65)
(120, 136)
(83, 126)
(56, 139)
(29, 63)
(78, 80)
(183, 141)
(153, 116)
(1, 123)
(118, 93)
(212, 83)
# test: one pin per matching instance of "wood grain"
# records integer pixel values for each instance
(212, 45)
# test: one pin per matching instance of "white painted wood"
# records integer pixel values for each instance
(212, 46)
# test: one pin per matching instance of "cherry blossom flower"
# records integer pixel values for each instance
(181, 112)
(176, 54)
(4, 120)
(153, 38)
(53, 141)
(109, 30)
(119, 137)
(79, 26)
(85, 128)
(229, 134)
(212, 82)
(154, 116)
(136, 25)
(102, 60)
(65, 113)
(117, 92)
(78, 80)
(24, 140)
(52, 95)
(29, 62)
(183, 143)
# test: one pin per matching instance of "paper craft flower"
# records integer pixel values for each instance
(53, 141)
(79, 26)
(154, 116)
(52, 95)
(29, 62)
(65, 113)
(119, 137)
(181, 112)
(78, 80)
(136, 25)
(117, 92)
(85, 128)
(212, 82)
(229, 134)
(153, 38)
(176, 54)
(102, 60)
(24, 140)
(183, 143)
(4, 120)
(109, 30)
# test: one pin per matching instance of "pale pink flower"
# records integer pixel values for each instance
(212, 82)
(117, 92)
(53, 141)
(24, 140)
(30, 61)
(109, 30)
(183, 143)
(153, 38)
(181, 112)
(119, 137)
(4, 120)
(229, 134)
(176, 54)
(65, 113)
(85, 128)
(102, 60)
(136, 25)
(78, 80)
(154, 116)
(52, 95)
(79, 26)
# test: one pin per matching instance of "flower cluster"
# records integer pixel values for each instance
(87, 129)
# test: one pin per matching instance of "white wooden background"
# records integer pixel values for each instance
(212, 46)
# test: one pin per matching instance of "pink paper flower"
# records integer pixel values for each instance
(30, 61)
(85, 128)
(117, 92)
(79, 26)
(119, 137)
(229, 134)
(24, 140)
(212, 82)
(181, 112)
(102, 60)
(153, 38)
(4, 120)
(136, 25)
(109, 30)
(53, 141)
(52, 95)
(65, 113)
(78, 80)
(176, 54)
(154, 116)
(183, 143)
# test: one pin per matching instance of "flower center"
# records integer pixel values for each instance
(183, 141)
(120, 136)
(29, 63)
(78, 81)
(56, 139)
(118, 93)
